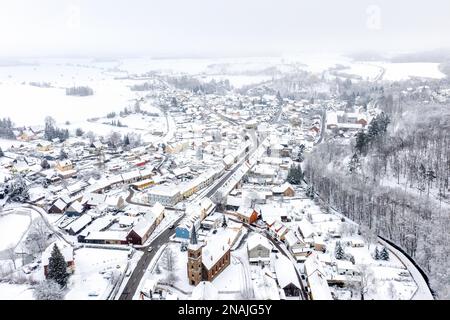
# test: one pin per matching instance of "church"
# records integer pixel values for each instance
(206, 262)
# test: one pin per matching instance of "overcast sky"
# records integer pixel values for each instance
(219, 27)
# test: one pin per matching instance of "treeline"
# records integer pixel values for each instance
(79, 91)
(146, 86)
(376, 130)
(40, 84)
(396, 184)
(52, 132)
(197, 86)
(6, 129)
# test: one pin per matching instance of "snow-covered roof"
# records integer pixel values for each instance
(79, 223)
(131, 175)
(157, 209)
(144, 225)
(107, 235)
(245, 211)
(256, 239)
(206, 204)
(126, 220)
(65, 249)
(234, 201)
(76, 206)
(285, 272)
(212, 253)
(98, 225)
(228, 159)
(64, 163)
(205, 290)
(282, 188)
(270, 212)
(180, 171)
(306, 228)
(164, 190)
(147, 172)
(94, 199)
(291, 239)
(60, 204)
(316, 279)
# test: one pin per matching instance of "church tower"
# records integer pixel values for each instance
(194, 265)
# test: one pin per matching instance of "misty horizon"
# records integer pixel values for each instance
(198, 29)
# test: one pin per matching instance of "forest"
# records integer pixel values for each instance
(394, 179)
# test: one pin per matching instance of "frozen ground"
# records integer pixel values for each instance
(87, 279)
(402, 71)
(12, 228)
(18, 96)
(15, 292)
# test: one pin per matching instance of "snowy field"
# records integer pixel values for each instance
(5, 144)
(18, 96)
(402, 71)
(87, 278)
(15, 292)
(12, 228)
(365, 71)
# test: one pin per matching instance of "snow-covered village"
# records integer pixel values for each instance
(298, 177)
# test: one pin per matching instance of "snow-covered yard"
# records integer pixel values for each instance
(12, 227)
(10, 291)
(87, 279)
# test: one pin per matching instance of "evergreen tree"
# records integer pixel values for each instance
(126, 140)
(361, 142)
(1, 152)
(295, 175)
(45, 164)
(279, 98)
(57, 267)
(224, 222)
(384, 254)
(174, 102)
(63, 155)
(377, 254)
(354, 164)
(79, 132)
(310, 192)
(300, 156)
(339, 251)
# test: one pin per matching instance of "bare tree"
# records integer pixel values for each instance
(369, 234)
(114, 139)
(169, 260)
(367, 280)
(115, 276)
(347, 228)
(37, 239)
(392, 291)
(91, 136)
(10, 251)
(171, 278)
(48, 290)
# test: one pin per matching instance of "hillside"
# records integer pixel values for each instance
(396, 182)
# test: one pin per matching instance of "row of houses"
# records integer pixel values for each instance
(141, 229)
(170, 194)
